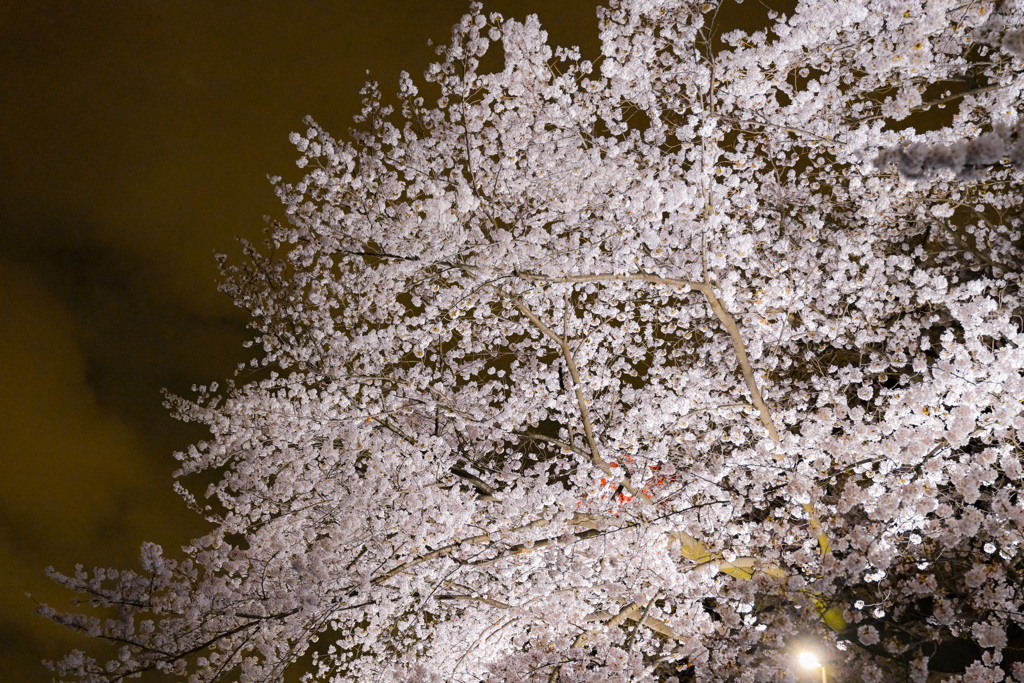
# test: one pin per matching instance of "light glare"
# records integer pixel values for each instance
(809, 660)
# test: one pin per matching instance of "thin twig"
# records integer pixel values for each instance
(941, 100)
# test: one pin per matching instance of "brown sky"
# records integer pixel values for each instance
(135, 141)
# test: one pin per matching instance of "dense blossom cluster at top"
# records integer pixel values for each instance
(634, 370)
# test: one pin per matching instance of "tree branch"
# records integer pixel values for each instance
(448, 549)
(563, 345)
(716, 306)
(741, 354)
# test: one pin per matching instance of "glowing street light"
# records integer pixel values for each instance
(809, 660)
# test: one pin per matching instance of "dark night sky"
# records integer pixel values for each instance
(135, 141)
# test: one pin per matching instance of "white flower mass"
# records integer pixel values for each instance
(621, 370)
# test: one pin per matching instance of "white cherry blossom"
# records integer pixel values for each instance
(625, 370)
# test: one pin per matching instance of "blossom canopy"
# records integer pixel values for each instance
(639, 369)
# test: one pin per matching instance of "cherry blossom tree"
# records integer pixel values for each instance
(642, 369)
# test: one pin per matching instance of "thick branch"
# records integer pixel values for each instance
(741, 354)
(640, 622)
(595, 455)
(716, 306)
(634, 614)
(485, 490)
